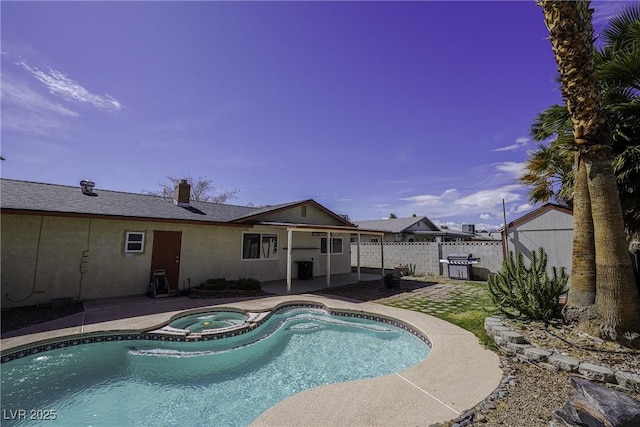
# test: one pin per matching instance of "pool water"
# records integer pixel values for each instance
(225, 382)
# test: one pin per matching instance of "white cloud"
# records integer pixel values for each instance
(521, 143)
(431, 199)
(59, 84)
(483, 203)
(516, 169)
(523, 208)
(14, 92)
(488, 199)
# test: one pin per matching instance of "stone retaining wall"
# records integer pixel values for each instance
(514, 344)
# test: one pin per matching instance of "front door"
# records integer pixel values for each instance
(166, 255)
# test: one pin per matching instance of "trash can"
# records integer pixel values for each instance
(305, 270)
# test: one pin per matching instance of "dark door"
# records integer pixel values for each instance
(166, 255)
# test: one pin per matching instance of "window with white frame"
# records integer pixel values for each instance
(259, 246)
(336, 245)
(134, 242)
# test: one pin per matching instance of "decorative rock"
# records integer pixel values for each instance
(536, 354)
(492, 320)
(564, 363)
(512, 337)
(628, 380)
(597, 372)
(594, 405)
(499, 341)
(496, 329)
(517, 348)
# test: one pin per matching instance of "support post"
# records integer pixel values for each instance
(289, 242)
(358, 256)
(382, 257)
(328, 259)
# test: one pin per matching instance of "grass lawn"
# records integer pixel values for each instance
(465, 304)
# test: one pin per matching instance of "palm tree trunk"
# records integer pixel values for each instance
(571, 36)
(617, 297)
(582, 292)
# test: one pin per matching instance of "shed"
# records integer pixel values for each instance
(551, 227)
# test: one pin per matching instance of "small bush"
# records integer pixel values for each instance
(527, 292)
(214, 286)
(407, 269)
(247, 283)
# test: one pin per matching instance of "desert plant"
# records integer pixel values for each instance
(527, 292)
(407, 269)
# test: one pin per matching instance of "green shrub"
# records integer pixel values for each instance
(249, 284)
(215, 285)
(527, 292)
(407, 269)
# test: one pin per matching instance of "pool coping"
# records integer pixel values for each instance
(458, 373)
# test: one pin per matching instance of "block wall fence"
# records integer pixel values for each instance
(427, 255)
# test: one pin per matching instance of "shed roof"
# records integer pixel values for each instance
(537, 212)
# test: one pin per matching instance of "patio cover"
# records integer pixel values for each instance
(311, 228)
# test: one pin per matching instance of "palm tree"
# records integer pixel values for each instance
(550, 168)
(617, 300)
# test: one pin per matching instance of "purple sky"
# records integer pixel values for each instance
(367, 107)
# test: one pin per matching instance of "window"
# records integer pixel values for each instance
(259, 246)
(303, 211)
(134, 242)
(336, 245)
(374, 240)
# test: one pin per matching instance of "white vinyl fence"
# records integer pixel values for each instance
(427, 255)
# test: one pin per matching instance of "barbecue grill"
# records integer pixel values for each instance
(459, 265)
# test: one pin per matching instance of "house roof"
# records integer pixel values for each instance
(394, 225)
(259, 212)
(537, 212)
(62, 199)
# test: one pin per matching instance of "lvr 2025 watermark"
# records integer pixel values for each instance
(29, 414)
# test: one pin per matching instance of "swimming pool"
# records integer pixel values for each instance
(228, 381)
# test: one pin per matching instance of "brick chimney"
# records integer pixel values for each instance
(181, 193)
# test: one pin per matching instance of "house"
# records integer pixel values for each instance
(412, 229)
(83, 243)
(551, 227)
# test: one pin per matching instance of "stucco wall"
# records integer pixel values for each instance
(49, 257)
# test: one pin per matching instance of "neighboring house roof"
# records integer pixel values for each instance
(409, 226)
(537, 212)
(40, 197)
(395, 225)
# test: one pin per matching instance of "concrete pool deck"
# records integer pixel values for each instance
(457, 374)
